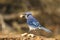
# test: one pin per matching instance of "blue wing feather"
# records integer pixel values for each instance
(33, 22)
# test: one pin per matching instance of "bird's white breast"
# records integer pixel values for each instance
(32, 28)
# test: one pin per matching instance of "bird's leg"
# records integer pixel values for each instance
(34, 30)
(29, 31)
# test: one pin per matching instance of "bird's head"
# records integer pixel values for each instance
(26, 14)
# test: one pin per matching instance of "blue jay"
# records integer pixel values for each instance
(33, 23)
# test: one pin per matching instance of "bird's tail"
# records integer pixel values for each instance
(45, 29)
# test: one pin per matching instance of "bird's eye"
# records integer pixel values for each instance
(27, 15)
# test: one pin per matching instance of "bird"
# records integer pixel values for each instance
(33, 23)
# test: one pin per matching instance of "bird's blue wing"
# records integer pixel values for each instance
(33, 22)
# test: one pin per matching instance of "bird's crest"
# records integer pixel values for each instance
(28, 13)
